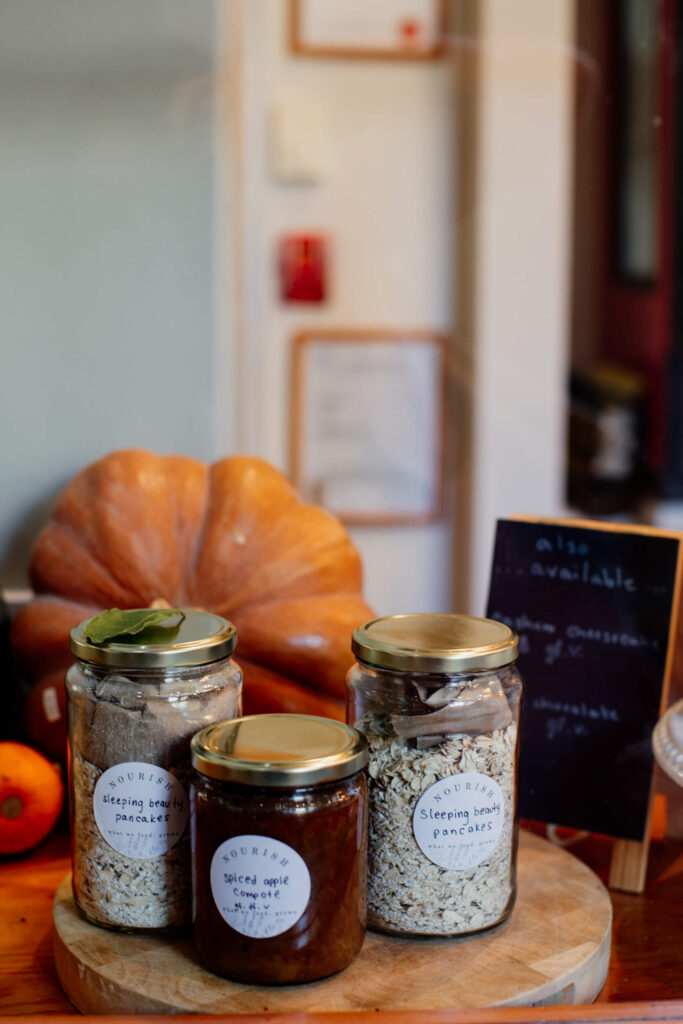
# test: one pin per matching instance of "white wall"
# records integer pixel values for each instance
(522, 272)
(107, 255)
(134, 205)
(385, 204)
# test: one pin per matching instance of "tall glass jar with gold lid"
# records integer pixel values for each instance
(133, 704)
(279, 837)
(437, 698)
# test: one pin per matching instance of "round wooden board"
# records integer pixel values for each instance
(553, 949)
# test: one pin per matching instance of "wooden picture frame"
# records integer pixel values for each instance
(382, 29)
(367, 423)
(637, 142)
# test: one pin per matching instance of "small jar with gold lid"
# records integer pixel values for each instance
(279, 838)
(437, 698)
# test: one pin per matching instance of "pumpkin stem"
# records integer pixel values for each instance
(11, 807)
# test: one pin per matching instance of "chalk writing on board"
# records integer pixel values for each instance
(580, 710)
(560, 543)
(523, 622)
(567, 646)
(592, 608)
(565, 718)
(585, 572)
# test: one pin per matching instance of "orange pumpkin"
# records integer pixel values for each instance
(233, 538)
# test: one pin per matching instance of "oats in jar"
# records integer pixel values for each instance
(437, 698)
(133, 705)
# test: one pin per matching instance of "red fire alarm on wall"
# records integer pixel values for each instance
(303, 265)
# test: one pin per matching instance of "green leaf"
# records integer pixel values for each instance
(116, 624)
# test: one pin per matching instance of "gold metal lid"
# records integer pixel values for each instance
(279, 750)
(434, 643)
(201, 638)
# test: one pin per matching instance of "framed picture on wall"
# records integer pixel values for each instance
(638, 143)
(367, 423)
(393, 29)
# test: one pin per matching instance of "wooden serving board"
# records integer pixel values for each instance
(553, 949)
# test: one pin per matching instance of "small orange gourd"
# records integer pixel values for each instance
(233, 538)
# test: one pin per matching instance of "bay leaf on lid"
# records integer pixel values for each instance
(145, 624)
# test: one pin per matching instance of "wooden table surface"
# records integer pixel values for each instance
(645, 980)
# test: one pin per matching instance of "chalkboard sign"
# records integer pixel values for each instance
(593, 607)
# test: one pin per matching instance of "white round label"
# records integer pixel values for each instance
(458, 821)
(140, 809)
(260, 885)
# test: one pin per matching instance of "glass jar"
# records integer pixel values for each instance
(437, 698)
(132, 707)
(279, 838)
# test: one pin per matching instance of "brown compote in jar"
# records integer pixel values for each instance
(279, 839)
